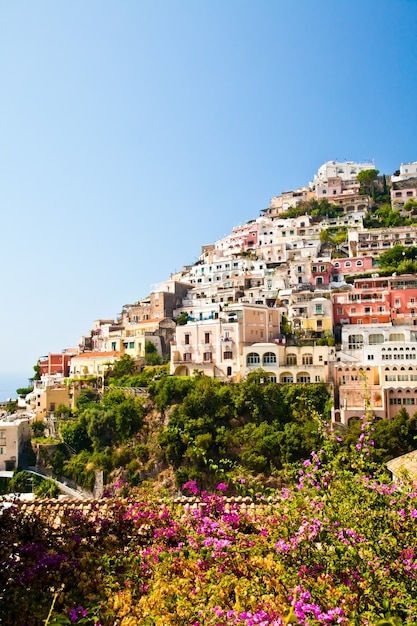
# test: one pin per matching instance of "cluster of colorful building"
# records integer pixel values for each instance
(271, 274)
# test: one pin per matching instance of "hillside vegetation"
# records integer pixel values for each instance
(199, 428)
(335, 546)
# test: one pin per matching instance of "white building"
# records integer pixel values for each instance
(14, 439)
(407, 170)
(346, 171)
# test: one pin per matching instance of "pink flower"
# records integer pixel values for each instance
(222, 487)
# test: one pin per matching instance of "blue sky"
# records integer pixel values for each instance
(134, 132)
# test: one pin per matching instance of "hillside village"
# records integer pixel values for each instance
(298, 291)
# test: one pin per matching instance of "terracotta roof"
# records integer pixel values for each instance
(52, 510)
(96, 355)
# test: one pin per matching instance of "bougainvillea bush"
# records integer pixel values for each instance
(336, 546)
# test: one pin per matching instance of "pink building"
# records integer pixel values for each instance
(377, 300)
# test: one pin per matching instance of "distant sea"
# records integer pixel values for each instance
(9, 383)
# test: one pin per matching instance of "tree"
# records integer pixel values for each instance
(76, 436)
(37, 370)
(182, 319)
(411, 206)
(367, 180)
(124, 366)
(86, 397)
(151, 354)
(38, 428)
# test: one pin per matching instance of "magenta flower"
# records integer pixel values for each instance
(222, 487)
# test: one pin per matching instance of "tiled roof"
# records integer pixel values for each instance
(53, 510)
(96, 355)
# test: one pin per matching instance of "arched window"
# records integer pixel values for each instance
(286, 377)
(375, 339)
(307, 359)
(253, 359)
(303, 377)
(355, 342)
(397, 337)
(269, 358)
(291, 359)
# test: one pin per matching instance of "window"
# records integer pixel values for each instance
(395, 400)
(187, 356)
(286, 378)
(370, 357)
(113, 346)
(228, 354)
(206, 337)
(253, 359)
(397, 337)
(131, 345)
(347, 264)
(319, 309)
(269, 358)
(355, 342)
(303, 378)
(291, 359)
(375, 339)
(408, 401)
(207, 357)
(307, 359)
(187, 339)
(359, 263)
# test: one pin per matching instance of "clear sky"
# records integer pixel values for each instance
(132, 132)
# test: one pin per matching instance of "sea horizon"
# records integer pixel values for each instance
(9, 383)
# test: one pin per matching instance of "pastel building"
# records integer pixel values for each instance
(290, 364)
(44, 400)
(321, 272)
(403, 190)
(287, 200)
(310, 312)
(373, 242)
(15, 436)
(347, 266)
(377, 300)
(92, 363)
(407, 170)
(377, 369)
(345, 170)
(56, 364)
(214, 346)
